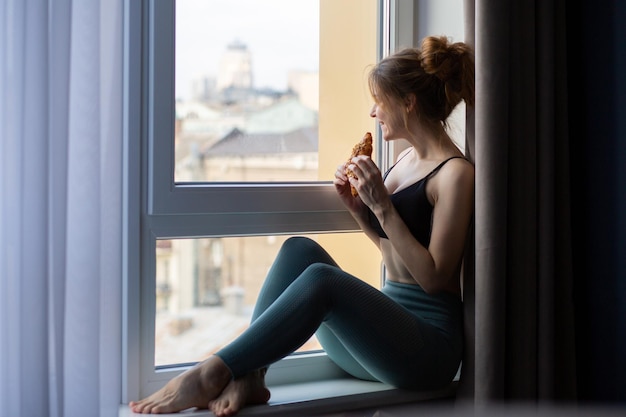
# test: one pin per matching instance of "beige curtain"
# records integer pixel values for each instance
(518, 288)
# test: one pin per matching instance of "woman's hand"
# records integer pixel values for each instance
(370, 187)
(368, 182)
(342, 186)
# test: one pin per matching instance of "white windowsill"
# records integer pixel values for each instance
(327, 396)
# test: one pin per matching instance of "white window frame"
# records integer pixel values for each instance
(158, 208)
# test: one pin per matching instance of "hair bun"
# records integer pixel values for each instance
(453, 64)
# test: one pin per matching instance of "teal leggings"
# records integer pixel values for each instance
(363, 330)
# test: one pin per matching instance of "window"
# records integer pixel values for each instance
(227, 201)
(247, 96)
(194, 205)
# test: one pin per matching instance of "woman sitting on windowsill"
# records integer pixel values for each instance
(409, 334)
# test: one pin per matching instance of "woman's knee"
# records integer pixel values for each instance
(306, 249)
(313, 278)
(320, 271)
(325, 278)
(298, 244)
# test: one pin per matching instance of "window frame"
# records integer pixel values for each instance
(166, 197)
(177, 210)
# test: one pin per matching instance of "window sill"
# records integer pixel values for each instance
(328, 396)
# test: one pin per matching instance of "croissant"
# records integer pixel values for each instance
(364, 147)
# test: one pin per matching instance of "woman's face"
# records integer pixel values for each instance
(390, 119)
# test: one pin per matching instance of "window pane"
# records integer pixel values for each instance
(207, 288)
(247, 90)
(290, 45)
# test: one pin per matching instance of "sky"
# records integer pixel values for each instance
(281, 35)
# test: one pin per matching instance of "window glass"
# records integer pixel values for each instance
(247, 90)
(206, 290)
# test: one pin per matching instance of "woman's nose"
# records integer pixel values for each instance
(373, 111)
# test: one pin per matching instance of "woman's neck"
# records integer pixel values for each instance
(432, 143)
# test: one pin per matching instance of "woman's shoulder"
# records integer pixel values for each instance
(458, 165)
(455, 172)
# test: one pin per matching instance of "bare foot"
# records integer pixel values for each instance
(193, 388)
(247, 390)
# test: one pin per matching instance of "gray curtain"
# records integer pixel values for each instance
(518, 283)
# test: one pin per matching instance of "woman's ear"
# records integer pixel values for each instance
(410, 102)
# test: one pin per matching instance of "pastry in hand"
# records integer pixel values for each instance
(364, 147)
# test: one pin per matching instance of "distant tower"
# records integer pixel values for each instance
(203, 88)
(235, 71)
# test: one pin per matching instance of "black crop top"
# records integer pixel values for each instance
(413, 207)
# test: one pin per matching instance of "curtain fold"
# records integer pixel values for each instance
(523, 316)
(61, 210)
(465, 390)
(58, 109)
(24, 301)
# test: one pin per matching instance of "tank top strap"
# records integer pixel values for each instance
(391, 167)
(438, 167)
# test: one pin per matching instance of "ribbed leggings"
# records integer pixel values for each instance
(362, 330)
